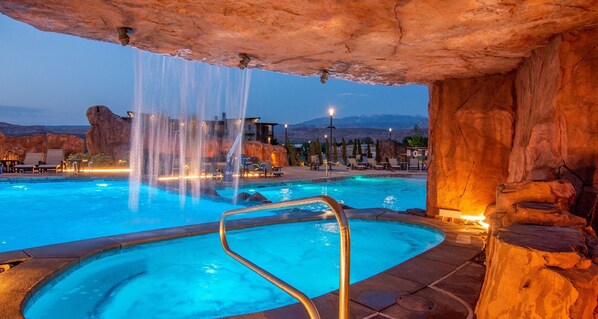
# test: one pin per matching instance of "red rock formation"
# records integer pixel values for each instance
(20, 145)
(471, 123)
(370, 41)
(557, 115)
(109, 133)
(266, 152)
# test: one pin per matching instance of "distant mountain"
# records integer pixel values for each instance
(24, 130)
(379, 121)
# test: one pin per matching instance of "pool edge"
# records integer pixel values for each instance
(41, 265)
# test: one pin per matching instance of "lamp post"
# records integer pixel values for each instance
(331, 112)
(285, 132)
(390, 133)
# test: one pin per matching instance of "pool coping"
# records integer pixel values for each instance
(40, 265)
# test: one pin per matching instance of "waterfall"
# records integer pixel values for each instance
(186, 116)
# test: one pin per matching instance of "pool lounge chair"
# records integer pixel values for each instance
(374, 165)
(394, 164)
(31, 162)
(54, 161)
(354, 165)
(314, 162)
(414, 163)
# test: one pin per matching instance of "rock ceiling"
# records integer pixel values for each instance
(386, 42)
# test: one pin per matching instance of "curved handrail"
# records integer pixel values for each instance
(345, 252)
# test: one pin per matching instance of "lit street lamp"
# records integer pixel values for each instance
(285, 132)
(331, 112)
(390, 134)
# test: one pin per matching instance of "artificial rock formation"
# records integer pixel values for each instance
(18, 146)
(471, 131)
(109, 133)
(387, 41)
(557, 116)
(277, 155)
(539, 272)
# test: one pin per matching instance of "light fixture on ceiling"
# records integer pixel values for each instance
(244, 63)
(123, 35)
(324, 76)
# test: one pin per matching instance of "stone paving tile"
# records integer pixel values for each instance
(461, 240)
(77, 249)
(381, 291)
(26, 275)
(466, 283)
(10, 307)
(429, 304)
(450, 254)
(327, 306)
(422, 270)
(11, 256)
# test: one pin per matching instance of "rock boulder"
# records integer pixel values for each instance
(109, 133)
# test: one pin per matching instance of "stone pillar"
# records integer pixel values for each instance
(471, 133)
(557, 115)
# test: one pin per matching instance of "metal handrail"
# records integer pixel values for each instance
(345, 252)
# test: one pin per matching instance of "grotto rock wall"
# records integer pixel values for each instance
(471, 133)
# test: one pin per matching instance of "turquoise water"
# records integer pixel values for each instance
(194, 278)
(357, 192)
(35, 214)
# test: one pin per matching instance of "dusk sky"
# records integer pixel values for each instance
(51, 78)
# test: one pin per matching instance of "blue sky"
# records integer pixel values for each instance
(50, 78)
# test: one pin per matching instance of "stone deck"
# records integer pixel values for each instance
(440, 283)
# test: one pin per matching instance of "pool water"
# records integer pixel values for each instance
(193, 277)
(42, 213)
(357, 192)
(35, 214)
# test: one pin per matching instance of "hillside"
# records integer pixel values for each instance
(23, 130)
(379, 121)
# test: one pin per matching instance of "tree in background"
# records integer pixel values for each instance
(327, 149)
(369, 151)
(417, 139)
(355, 148)
(359, 150)
(334, 151)
(344, 150)
(319, 151)
(368, 140)
(291, 152)
(378, 156)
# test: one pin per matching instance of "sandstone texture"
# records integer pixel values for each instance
(109, 133)
(386, 42)
(539, 272)
(471, 132)
(15, 147)
(277, 155)
(557, 115)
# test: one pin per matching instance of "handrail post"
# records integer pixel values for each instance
(345, 252)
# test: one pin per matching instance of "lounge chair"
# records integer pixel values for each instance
(275, 171)
(31, 162)
(54, 161)
(394, 164)
(314, 162)
(374, 165)
(354, 165)
(413, 163)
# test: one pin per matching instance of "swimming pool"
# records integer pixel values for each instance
(357, 192)
(193, 278)
(34, 213)
(42, 213)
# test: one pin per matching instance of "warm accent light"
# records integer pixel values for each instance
(286, 126)
(100, 170)
(331, 111)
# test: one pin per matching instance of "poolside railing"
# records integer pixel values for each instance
(345, 252)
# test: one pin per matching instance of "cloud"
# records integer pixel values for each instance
(20, 111)
(353, 94)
